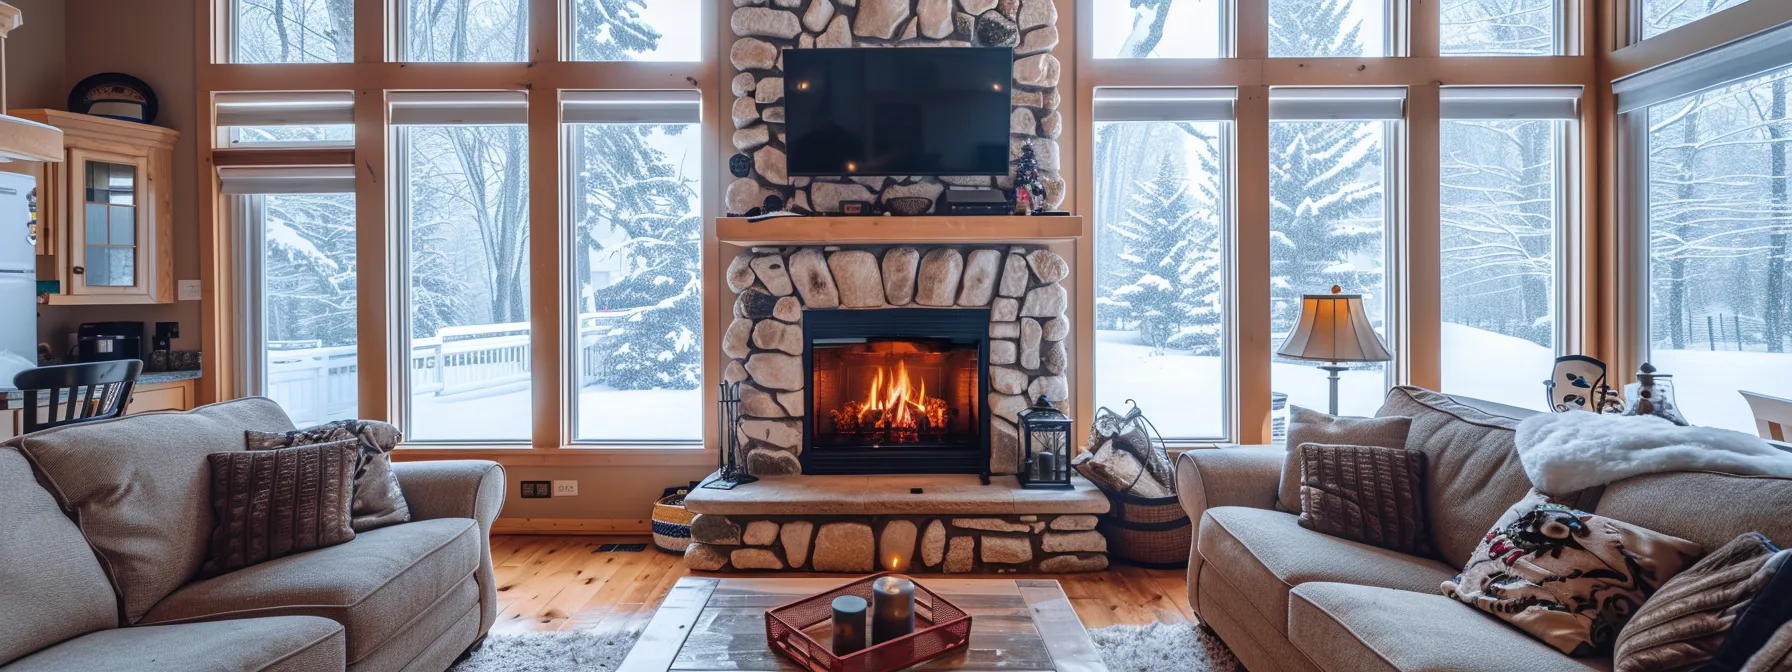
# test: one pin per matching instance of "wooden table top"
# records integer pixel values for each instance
(710, 624)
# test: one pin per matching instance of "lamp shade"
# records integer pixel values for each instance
(1334, 328)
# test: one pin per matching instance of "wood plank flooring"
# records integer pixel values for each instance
(566, 583)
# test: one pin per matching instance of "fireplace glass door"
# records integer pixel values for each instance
(896, 394)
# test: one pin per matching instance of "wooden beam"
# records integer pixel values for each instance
(549, 301)
(1250, 272)
(1492, 71)
(378, 328)
(1419, 236)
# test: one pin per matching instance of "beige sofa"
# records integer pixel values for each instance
(1287, 598)
(105, 527)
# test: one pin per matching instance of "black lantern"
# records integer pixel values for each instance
(1045, 438)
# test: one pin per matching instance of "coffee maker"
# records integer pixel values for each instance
(109, 341)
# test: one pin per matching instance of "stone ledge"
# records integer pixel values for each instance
(889, 495)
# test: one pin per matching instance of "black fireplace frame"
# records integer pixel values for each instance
(966, 325)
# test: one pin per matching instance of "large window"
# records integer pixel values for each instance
(1319, 28)
(1160, 271)
(1497, 27)
(1159, 29)
(1501, 212)
(1719, 221)
(465, 214)
(636, 268)
(307, 303)
(1329, 226)
(292, 31)
(464, 31)
(1660, 16)
(636, 30)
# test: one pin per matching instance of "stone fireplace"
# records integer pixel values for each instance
(854, 334)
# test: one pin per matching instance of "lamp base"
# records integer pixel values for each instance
(1332, 370)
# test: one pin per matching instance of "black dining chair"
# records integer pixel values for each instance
(75, 393)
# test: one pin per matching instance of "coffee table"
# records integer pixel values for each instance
(712, 624)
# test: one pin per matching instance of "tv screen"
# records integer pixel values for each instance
(921, 111)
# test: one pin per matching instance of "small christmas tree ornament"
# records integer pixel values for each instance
(1026, 181)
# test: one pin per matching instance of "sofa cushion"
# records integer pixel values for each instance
(284, 644)
(1350, 628)
(1309, 426)
(51, 586)
(1472, 472)
(374, 586)
(140, 489)
(1702, 506)
(1265, 553)
(1686, 623)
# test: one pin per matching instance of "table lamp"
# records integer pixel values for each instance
(1334, 328)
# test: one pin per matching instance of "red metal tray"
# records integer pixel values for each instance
(940, 627)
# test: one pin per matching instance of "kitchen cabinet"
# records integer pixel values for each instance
(106, 213)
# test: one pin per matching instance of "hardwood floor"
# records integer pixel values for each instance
(566, 583)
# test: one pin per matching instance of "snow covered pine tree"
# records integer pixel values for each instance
(1166, 274)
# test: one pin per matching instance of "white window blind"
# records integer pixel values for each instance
(303, 108)
(238, 180)
(632, 107)
(441, 108)
(1509, 102)
(1164, 104)
(1356, 103)
(1754, 55)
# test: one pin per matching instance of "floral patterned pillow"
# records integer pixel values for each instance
(1567, 577)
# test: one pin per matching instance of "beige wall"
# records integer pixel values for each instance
(63, 42)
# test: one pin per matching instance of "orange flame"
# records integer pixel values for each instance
(896, 405)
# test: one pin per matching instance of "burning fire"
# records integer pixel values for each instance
(895, 406)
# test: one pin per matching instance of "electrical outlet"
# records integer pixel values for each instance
(566, 488)
(188, 290)
(536, 489)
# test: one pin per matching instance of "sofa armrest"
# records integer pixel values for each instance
(1207, 479)
(460, 489)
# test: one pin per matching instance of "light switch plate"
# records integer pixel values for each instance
(566, 488)
(188, 290)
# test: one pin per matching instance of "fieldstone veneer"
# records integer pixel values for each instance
(915, 544)
(1020, 285)
(765, 27)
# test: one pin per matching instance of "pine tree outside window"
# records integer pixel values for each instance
(1161, 217)
(1719, 214)
(635, 30)
(1160, 29)
(636, 231)
(1328, 28)
(463, 31)
(292, 31)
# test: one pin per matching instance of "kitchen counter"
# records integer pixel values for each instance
(14, 398)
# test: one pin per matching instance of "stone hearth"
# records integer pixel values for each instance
(919, 524)
(1020, 286)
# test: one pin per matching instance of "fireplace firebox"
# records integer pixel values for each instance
(896, 391)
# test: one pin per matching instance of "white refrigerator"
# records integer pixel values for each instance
(18, 278)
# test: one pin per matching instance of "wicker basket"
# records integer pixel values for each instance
(1149, 532)
(671, 522)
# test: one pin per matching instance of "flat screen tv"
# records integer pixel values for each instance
(897, 111)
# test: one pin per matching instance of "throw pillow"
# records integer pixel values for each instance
(1366, 494)
(273, 503)
(1762, 636)
(1685, 623)
(1308, 426)
(1567, 577)
(378, 500)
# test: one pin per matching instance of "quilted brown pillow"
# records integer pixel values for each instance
(378, 501)
(273, 503)
(1367, 494)
(1685, 623)
(1567, 577)
(1309, 426)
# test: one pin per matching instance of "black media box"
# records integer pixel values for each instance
(975, 202)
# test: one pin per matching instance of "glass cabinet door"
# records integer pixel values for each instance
(109, 211)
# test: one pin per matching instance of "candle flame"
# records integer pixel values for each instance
(895, 563)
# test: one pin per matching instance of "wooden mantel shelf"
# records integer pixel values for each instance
(887, 230)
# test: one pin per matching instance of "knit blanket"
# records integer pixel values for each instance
(1567, 452)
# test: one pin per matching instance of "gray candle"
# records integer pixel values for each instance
(892, 608)
(849, 624)
(1045, 467)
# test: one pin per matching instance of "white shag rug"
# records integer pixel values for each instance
(1159, 647)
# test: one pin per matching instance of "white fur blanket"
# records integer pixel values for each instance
(1566, 452)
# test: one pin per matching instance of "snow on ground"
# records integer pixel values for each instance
(1705, 383)
(1495, 367)
(612, 415)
